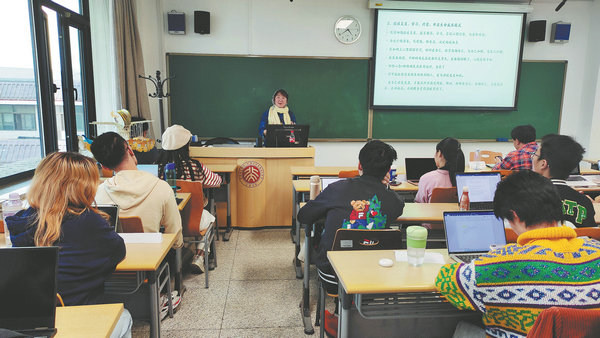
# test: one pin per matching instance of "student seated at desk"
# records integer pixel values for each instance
(524, 143)
(548, 266)
(136, 192)
(556, 157)
(62, 214)
(357, 203)
(176, 149)
(449, 159)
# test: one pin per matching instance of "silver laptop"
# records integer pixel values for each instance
(113, 211)
(482, 187)
(469, 234)
(325, 181)
(151, 168)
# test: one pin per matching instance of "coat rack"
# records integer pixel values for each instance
(160, 94)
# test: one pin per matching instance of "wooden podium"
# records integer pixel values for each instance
(261, 186)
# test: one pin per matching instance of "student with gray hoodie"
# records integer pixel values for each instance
(137, 193)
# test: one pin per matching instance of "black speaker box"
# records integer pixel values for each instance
(537, 31)
(202, 22)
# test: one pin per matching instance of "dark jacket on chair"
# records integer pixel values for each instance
(356, 203)
(89, 251)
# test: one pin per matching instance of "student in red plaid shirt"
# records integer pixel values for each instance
(524, 143)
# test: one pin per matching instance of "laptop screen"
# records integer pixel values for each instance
(417, 167)
(473, 231)
(482, 186)
(28, 287)
(113, 211)
(325, 181)
(151, 168)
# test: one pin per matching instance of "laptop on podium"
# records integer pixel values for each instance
(28, 290)
(469, 234)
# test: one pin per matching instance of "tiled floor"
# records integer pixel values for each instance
(253, 292)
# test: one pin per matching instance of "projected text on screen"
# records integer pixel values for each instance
(447, 59)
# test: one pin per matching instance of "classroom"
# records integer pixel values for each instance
(257, 290)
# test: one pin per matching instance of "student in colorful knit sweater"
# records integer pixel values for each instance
(548, 266)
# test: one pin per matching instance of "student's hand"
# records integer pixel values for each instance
(386, 179)
(498, 159)
(265, 132)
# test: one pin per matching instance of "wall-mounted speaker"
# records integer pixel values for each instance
(176, 22)
(537, 31)
(202, 22)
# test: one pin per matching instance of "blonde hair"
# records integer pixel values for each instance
(63, 183)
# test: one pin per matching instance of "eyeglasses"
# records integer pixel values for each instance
(533, 153)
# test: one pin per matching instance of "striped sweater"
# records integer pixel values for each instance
(513, 284)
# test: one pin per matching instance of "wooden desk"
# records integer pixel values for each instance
(185, 198)
(225, 170)
(260, 191)
(401, 277)
(146, 257)
(409, 291)
(87, 320)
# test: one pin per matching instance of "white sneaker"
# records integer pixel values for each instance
(175, 299)
(197, 265)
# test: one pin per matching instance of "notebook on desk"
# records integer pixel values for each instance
(28, 290)
(469, 234)
(482, 187)
(417, 167)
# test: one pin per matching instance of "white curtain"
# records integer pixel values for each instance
(106, 79)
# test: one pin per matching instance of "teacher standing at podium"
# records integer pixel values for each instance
(278, 113)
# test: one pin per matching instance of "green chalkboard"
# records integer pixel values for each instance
(224, 96)
(539, 104)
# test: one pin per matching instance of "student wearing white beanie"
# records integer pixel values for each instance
(176, 148)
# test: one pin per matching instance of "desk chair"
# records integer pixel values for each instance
(191, 217)
(511, 235)
(590, 232)
(487, 156)
(566, 322)
(131, 224)
(355, 239)
(444, 195)
(348, 173)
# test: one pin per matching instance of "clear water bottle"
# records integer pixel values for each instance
(171, 176)
(9, 208)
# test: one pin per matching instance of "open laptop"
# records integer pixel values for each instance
(151, 168)
(28, 290)
(287, 135)
(325, 181)
(113, 211)
(482, 187)
(417, 167)
(469, 234)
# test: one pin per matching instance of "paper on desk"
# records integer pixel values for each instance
(141, 237)
(430, 257)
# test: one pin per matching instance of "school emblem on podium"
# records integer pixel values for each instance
(251, 174)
